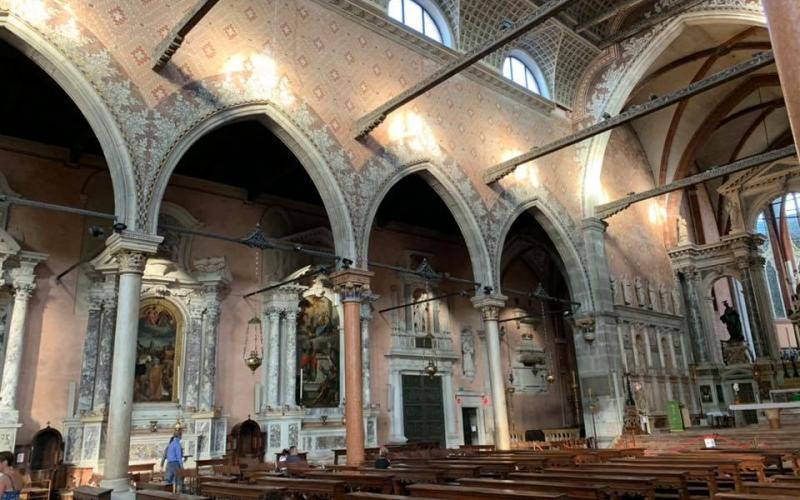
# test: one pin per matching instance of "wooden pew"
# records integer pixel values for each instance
(748, 496)
(91, 493)
(157, 495)
(334, 490)
(667, 479)
(375, 482)
(489, 467)
(587, 491)
(239, 490)
(617, 484)
(463, 493)
(726, 469)
(697, 475)
(449, 472)
(772, 488)
(360, 495)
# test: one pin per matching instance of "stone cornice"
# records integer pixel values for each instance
(376, 19)
(632, 314)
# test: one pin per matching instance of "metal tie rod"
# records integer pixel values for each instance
(368, 122)
(759, 61)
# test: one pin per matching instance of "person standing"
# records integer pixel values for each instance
(174, 459)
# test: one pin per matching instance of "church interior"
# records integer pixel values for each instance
(375, 249)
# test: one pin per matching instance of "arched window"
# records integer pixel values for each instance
(520, 69)
(421, 16)
(782, 216)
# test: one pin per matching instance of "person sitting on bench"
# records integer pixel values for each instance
(382, 462)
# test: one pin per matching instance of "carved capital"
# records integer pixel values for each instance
(23, 291)
(490, 313)
(131, 261)
(489, 306)
(352, 284)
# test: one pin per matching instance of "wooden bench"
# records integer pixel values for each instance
(748, 496)
(154, 486)
(449, 472)
(375, 482)
(91, 493)
(462, 493)
(698, 476)
(665, 479)
(726, 469)
(154, 494)
(315, 487)
(618, 484)
(360, 495)
(772, 488)
(488, 467)
(240, 490)
(572, 490)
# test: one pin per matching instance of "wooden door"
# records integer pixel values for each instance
(423, 409)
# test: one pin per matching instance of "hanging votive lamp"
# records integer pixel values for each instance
(431, 369)
(253, 349)
(550, 378)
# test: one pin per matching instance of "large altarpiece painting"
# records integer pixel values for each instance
(158, 352)
(318, 353)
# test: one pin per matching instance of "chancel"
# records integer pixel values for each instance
(388, 248)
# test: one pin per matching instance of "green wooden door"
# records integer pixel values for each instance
(423, 409)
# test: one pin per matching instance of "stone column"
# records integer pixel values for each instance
(450, 418)
(636, 361)
(489, 306)
(290, 388)
(621, 340)
(353, 286)
(766, 318)
(105, 353)
(398, 433)
(208, 375)
(193, 353)
(688, 278)
(783, 18)
(648, 350)
(90, 347)
(366, 317)
(130, 250)
(272, 370)
(14, 345)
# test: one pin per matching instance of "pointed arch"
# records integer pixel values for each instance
(577, 276)
(304, 150)
(105, 127)
(630, 73)
(459, 208)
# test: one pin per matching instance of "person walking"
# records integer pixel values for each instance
(174, 458)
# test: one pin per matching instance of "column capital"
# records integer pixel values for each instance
(594, 224)
(352, 284)
(489, 305)
(130, 249)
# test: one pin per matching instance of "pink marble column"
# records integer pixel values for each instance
(353, 286)
(783, 18)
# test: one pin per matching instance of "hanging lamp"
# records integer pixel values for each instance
(253, 352)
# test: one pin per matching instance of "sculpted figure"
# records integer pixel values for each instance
(683, 232)
(733, 323)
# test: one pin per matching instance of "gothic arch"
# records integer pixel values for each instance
(115, 151)
(279, 124)
(576, 273)
(473, 237)
(759, 204)
(629, 73)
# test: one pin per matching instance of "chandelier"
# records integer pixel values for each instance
(253, 352)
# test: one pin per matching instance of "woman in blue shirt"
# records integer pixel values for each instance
(174, 459)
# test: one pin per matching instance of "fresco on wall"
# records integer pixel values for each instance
(318, 353)
(156, 354)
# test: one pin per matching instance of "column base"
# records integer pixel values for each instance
(121, 485)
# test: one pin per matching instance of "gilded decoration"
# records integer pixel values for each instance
(158, 359)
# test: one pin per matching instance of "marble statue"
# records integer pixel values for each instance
(683, 232)
(654, 302)
(734, 213)
(640, 293)
(614, 291)
(626, 292)
(468, 354)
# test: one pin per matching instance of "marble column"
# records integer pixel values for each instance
(634, 347)
(766, 316)
(89, 364)
(353, 286)
(366, 317)
(272, 370)
(14, 345)
(783, 18)
(209, 372)
(648, 350)
(398, 433)
(451, 419)
(489, 307)
(688, 278)
(290, 388)
(621, 340)
(130, 250)
(193, 354)
(105, 353)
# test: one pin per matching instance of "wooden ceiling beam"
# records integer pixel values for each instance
(167, 48)
(368, 122)
(761, 60)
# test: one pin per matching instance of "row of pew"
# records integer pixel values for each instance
(579, 474)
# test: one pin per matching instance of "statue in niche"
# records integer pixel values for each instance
(421, 312)
(156, 358)
(468, 354)
(627, 296)
(318, 353)
(735, 214)
(676, 301)
(614, 291)
(640, 295)
(666, 300)
(654, 305)
(683, 231)
(733, 323)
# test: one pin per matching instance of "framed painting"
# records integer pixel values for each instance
(158, 350)
(318, 353)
